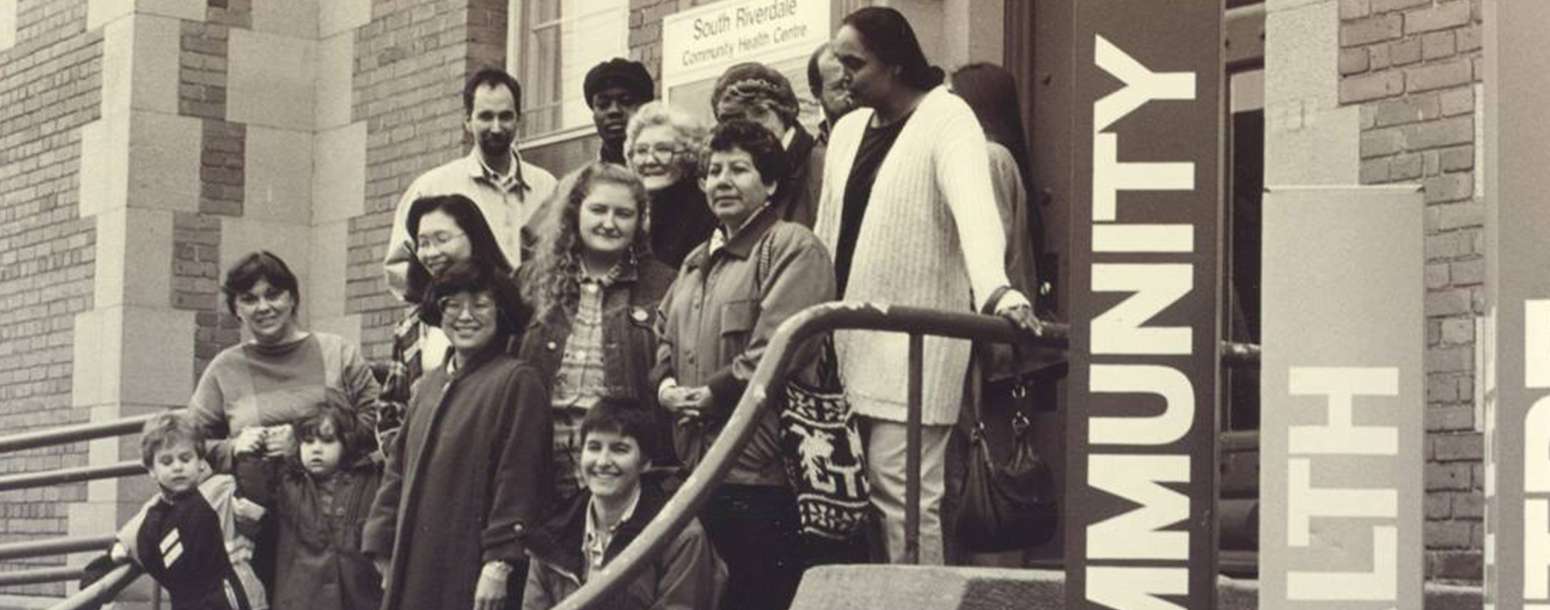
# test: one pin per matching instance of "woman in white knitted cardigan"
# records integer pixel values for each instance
(910, 214)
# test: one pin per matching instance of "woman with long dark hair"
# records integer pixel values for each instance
(908, 211)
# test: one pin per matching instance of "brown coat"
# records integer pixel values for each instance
(718, 317)
(470, 471)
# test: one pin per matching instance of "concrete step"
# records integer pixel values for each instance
(887, 587)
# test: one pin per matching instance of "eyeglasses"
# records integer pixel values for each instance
(661, 153)
(453, 307)
(438, 239)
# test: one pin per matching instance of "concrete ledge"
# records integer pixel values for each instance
(884, 587)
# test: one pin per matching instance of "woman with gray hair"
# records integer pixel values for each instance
(662, 147)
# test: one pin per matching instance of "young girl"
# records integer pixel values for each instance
(322, 499)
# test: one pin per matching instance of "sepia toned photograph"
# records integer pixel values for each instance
(774, 305)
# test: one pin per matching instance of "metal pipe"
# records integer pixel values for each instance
(768, 377)
(41, 575)
(102, 591)
(55, 546)
(912, 455)
(73, 433)
(69, 475)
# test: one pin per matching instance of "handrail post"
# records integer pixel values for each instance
(912, 455)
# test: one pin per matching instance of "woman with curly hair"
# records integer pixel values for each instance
(596, 286)
(662, 146)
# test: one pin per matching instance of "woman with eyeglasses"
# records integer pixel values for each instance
(661, 146)
(443, 230)
(251, 393)
(470, 470)
(595, 286)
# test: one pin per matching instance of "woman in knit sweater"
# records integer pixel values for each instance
(662, 148)
(251, 393)
(909, 212)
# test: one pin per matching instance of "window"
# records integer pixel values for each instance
(560, 40)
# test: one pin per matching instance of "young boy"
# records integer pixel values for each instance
(611, 511)
(322, 498)
(186, 537)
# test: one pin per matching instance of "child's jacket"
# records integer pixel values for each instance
(319, 564)
(189, 543)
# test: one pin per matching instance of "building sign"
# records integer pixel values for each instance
(1140, 532)
(1341, 437)
(699, 44)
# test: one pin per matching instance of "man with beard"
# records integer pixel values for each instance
(614, 90)
(826, 80)
(506, 189)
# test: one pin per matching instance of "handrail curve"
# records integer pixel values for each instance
(768, 377)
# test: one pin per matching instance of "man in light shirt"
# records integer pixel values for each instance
(506, 189)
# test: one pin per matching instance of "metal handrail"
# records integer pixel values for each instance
(55, 546)
(106, 588)
(768, 377)
(73, 433)
(40, 576)
(26, 480)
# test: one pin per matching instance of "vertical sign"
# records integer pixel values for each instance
(1145, 221)
(1517, 413)
(1341, 430)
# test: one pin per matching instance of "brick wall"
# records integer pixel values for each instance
(49, 86)
(1412, 66)
(411, 61)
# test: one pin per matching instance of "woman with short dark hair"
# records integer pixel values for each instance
(469, 471)
(279, 373)
(717, 319)
(251, 393)
(909, 211)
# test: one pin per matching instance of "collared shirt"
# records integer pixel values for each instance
(594, 543)
(508, 181)
(507, 203)
(720, 237)
(581, 379)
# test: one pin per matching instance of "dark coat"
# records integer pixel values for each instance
(469, 473)
(680, 220)
(797, 197)
(320, 564)
(686, 575)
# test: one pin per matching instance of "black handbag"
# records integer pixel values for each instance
(1011, 504)
(821, 447)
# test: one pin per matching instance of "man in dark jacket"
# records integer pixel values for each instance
(756, 92)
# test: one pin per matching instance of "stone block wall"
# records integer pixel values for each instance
(50, 85)
(1413, 69)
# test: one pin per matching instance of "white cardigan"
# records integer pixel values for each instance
(931, 237)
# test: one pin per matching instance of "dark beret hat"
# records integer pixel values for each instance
(618, 72)
(758, 79)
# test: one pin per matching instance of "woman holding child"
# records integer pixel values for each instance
(252, 393)
(469, 472)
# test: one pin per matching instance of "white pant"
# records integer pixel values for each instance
(886, 457)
